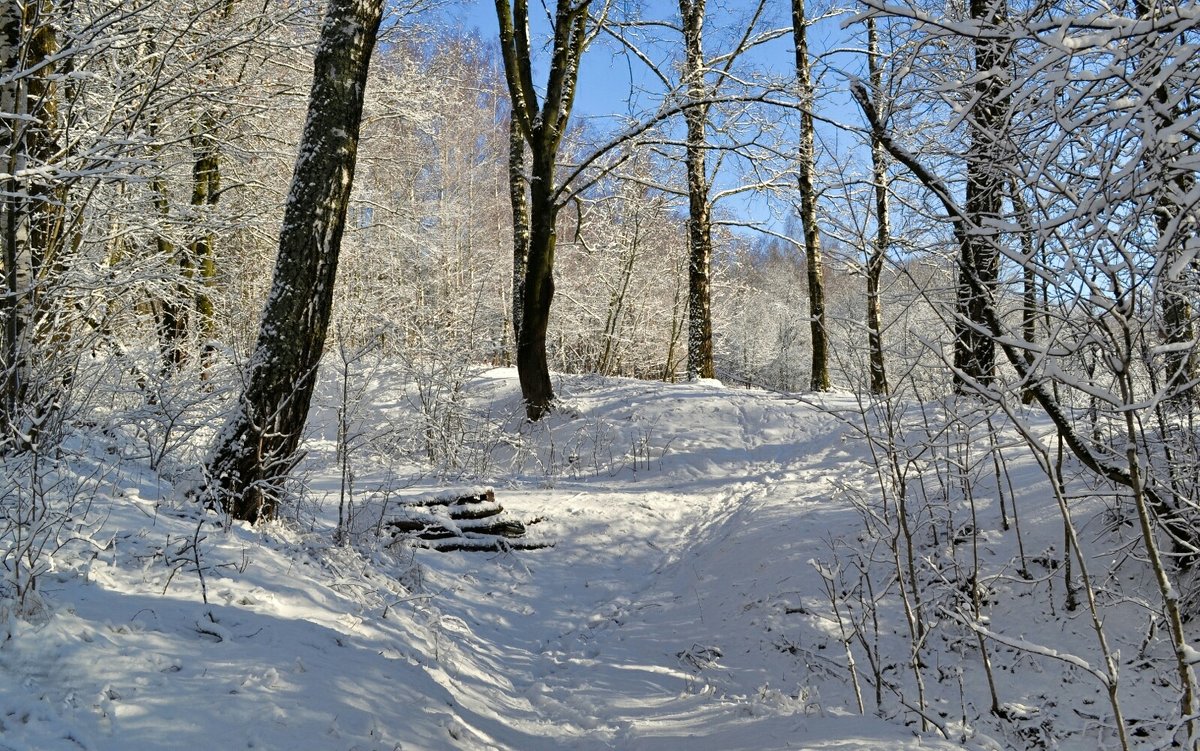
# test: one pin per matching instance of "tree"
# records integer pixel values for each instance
(878, 252)
(30, 215)
(808, 201)
(1175, 179)
(257, 448)
(974, 351)
(14, 217)
(190, 309)
(542, 127)
(699, 226)
(622, 305)
(716, 94)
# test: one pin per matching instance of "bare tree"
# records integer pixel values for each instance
(31, 217)
(974, 351)
(15, 226)
(1176, 183)
(542, 126)
(190, 310)
(716, 99)
(878, 252)
(700, 354)
(1094, 237)
(808, 201)
(257, 447)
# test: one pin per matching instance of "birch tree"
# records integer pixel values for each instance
(808, 201)
(699, 226)
(878, 252)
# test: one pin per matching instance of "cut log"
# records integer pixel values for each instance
(484, 545)
(481, 510)
(457, 497)
(459, 520)
(431, 530)
(501, 528)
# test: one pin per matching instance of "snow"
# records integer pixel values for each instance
(698, 531)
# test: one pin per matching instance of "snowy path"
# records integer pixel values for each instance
(662, 619)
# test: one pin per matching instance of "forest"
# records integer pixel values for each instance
(386, 374)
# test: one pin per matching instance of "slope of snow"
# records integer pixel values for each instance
(680, 606)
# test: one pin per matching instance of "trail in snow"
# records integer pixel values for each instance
(668, 616)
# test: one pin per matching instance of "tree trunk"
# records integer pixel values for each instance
(32, 218)
(532, 367)
(520, 217)
(699, 223)
(15, 221)
(1029, 297)
(191, 312)
(609, 360)
(678, 312)
(41, 137)
(206, 192)
(878, 253)
(808, 202)
(974, 350)
(258, 447)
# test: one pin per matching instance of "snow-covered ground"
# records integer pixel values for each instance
(681, 606)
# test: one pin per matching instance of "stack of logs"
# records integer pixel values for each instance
(460, 521)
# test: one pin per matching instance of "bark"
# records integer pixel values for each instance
(878, 253)
(206, 192)
(14, 217)
(168, 311)
(258, 446)
(699, 223)
(520, 217)
(532, 367)
(974, 350)
(1029, 297)
(808, 202)
(41, 135)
